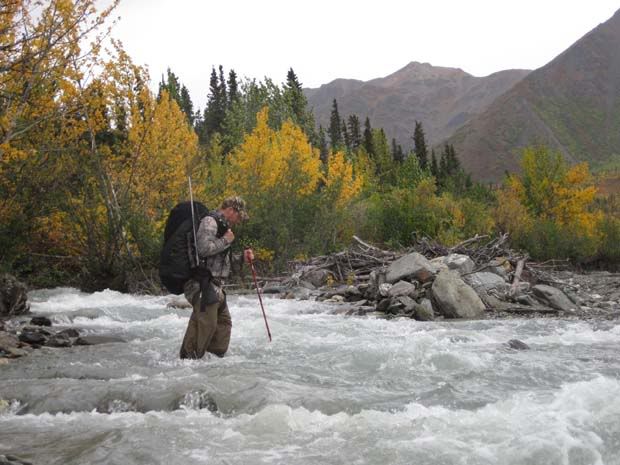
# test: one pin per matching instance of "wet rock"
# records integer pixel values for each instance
(554, 297)
(401, 288)
(407, 304)
(59, 340)
(7, 342)
(424, 311)
(70, 332)
(383, 305)
(96, 340)
(454, 298)
(13, 298)
(34, 336)
(413, 265)
(13, 460)
(41, 321)
(198, 400)
(517, 344)
(273, 288)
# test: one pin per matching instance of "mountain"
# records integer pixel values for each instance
(443, 99)
(572, 104)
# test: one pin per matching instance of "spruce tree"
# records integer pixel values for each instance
(233, 88)
(434, 166)
(397, 152)
(335, 130)
(215, 111)
(368, 142)
(323, 148)
(355, 133)
(345, 135)
(186, 105)
(419, 144)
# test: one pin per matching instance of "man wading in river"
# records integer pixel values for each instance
(209, 326)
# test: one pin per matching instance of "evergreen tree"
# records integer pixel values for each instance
(368, 142)
(233, 88)
(434, 166)
(345, 135)
(186, 104)
(397, 152)
(222, 89)
(215, 111)
(177, 92)
(419, 144)
(355, 133)
(335, 130)
(323, 148)
(298, 106)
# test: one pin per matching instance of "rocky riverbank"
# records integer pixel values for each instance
(466, 281)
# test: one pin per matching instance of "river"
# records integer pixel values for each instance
(329, 389)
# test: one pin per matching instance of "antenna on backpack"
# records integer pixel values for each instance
(191, 200)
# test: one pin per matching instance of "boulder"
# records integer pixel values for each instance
(554, 297)
(459, 262)
(401, 288)
(413, 265)
(424, 311)
(516, 344)
(8, 341)
(41, 321)
(485, 281)
(454, 298)
(59, 340)
(34, 336)
(317, 278)
(13, 297)
(407, 303)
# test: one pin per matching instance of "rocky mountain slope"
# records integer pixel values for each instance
(571, 104)
(442, 98)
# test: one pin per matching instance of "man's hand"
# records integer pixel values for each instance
(229, 236)
(248, 255)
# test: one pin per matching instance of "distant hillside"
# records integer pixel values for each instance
(443, 99)
(571, 104)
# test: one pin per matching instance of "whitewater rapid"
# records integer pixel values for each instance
(329, 389)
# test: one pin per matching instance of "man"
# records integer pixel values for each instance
(209, 326)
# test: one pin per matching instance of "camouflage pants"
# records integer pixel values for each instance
(207, 331)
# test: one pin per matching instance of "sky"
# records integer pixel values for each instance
(324, 40)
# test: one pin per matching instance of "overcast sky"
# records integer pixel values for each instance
(327, 39)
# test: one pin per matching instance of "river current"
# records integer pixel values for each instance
(329, 389)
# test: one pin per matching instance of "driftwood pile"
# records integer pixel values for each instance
(479, 276)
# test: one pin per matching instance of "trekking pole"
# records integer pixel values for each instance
(191, 200)
(260, 298)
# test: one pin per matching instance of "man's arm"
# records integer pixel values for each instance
(208, 242)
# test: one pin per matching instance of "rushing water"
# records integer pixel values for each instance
(328, 390)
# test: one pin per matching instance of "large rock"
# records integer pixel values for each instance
(7, 342)
(454, 298)
(317, 278)
(455, 261)
(554, 297)
(401, 288)
(424, 311)
(413, 265)
(485, 281)
(13, 298)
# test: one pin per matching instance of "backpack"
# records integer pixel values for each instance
(177, 263)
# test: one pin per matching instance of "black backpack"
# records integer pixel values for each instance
(177, 263)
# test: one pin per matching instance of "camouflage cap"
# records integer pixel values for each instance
(238, 204)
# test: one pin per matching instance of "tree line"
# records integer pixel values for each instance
(91, 162)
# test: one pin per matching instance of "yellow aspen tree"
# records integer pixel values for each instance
(340, 181)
